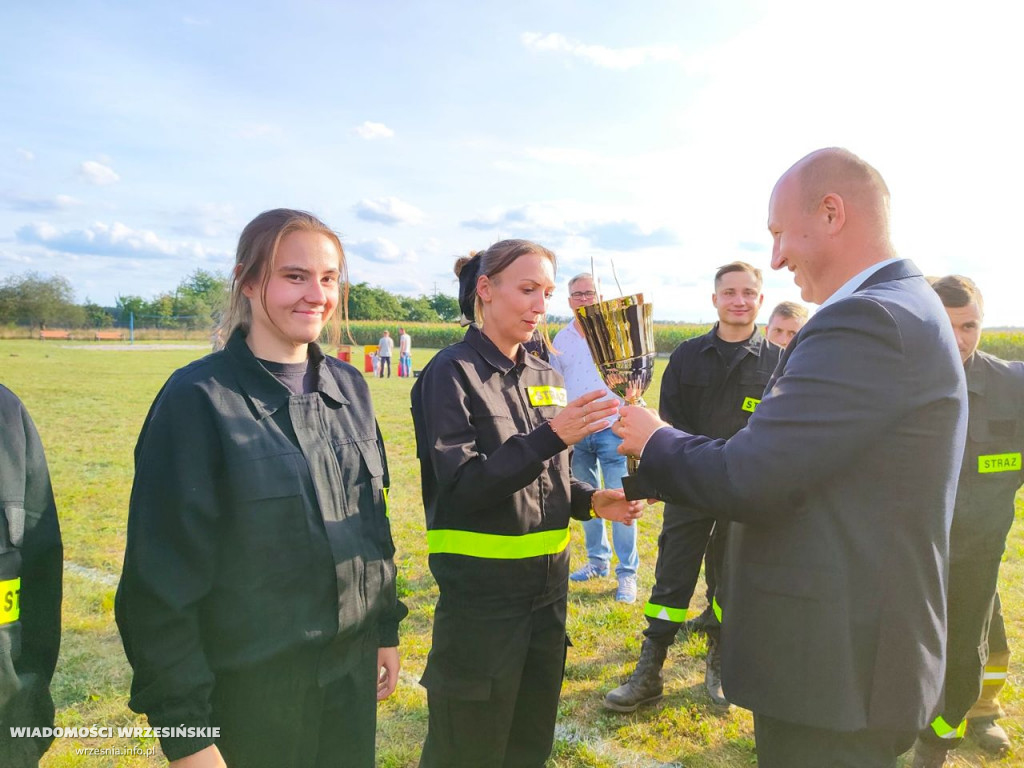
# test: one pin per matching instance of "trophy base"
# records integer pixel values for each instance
(637, 489)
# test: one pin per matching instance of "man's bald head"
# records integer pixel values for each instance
(838, 171)
(829, 218)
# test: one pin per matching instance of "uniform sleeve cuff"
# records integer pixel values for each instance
(545, 442)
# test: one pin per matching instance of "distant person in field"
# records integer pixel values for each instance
(493, 427)
(384, 349)
(785, 322)
(595, 458)
(990, 475)
(258, 589)
(31, 579)
(404, 353)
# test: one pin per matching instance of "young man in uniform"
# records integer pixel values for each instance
(785, 322)
(990, 475)
(711, 386)
(595, 457)
(31, 573)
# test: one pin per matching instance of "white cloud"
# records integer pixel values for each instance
(26, 154)
(381, 250)
(98, 173)
(600, 227)
(208, 220)
(370, 130)
(38, 204)
(599, 55)
(388, 210)
(115, 239)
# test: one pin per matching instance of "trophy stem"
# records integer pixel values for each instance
(633, 462)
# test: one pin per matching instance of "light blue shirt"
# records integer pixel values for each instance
(850, 286)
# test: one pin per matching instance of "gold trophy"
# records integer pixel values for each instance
(620, 334)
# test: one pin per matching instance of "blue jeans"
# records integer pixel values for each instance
(592, 452)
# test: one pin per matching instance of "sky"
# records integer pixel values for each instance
(138, 138)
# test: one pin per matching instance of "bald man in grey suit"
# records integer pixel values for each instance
(840, 488)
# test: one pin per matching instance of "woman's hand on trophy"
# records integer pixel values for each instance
(611, 504)
(635, 427)
(584, 416)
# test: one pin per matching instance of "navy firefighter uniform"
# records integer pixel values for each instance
(990, 475)
(31, 570)
(710, 388)
(258, 580)
(498, 496)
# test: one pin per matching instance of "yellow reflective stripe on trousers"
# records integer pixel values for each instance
(946, 731)
(994, 674)
(492, 546)
(387, 508)
(717, 609)
(10, 601)
(665, 612)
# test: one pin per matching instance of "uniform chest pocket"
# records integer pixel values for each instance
(754, 378)
(13, 519)
(995, 429)
(362, 470)
(268, 529)
(492, 430)
(545, 413)
(994, 447)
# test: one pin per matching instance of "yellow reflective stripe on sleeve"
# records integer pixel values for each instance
(717, 609)
(999, 462)
(995, 673)
(946, 731)
(547, 396)
(750, 403)
(387, 508)
(665, 613)
(10, 601)
(492, 546)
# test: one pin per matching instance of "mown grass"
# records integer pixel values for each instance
(89, 405)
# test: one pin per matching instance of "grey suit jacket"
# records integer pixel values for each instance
(841, 487)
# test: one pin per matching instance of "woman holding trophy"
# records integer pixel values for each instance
(492, 429)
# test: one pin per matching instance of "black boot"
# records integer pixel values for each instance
(713, 675)
(697, 624)
(644, 685)
(928, 755)
(989, 735)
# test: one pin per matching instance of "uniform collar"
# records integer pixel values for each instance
(496, 358)
(977, 373)
(751, 345)
(264, 391)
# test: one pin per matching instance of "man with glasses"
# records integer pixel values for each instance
(596, 457)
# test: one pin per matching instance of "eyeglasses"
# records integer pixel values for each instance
(581, 295)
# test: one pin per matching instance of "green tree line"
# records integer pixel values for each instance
(39, 301)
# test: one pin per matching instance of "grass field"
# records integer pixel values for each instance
(89, 404)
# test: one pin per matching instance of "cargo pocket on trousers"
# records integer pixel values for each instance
(453, 685)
